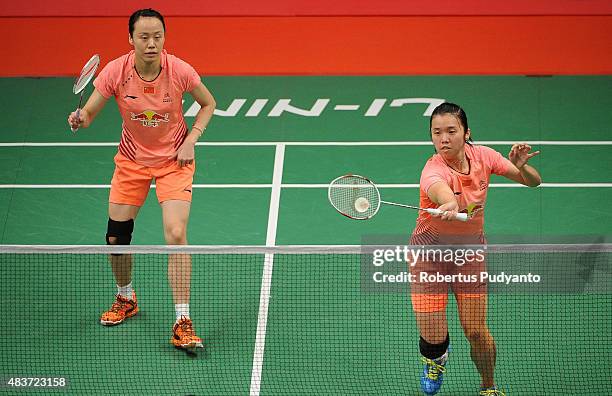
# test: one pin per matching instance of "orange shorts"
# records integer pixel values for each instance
(429, 292)
(131, 182)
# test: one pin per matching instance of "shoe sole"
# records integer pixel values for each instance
(191, 345)
(111, 323)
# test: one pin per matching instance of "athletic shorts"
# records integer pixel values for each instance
(131, 182)
(433, 279)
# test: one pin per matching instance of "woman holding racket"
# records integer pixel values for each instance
(456, 179)
(148, 85)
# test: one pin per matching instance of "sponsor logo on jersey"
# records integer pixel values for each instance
(150, 118)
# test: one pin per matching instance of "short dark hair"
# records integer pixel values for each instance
(145, 12)
(454, 109)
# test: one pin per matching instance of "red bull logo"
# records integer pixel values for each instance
(150, 118)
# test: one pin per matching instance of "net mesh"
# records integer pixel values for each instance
(325, 333)
(354, 196)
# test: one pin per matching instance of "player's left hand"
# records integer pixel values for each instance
(185, 154)
(520, 154)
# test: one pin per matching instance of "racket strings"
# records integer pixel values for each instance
(87, 74)
(354, 196)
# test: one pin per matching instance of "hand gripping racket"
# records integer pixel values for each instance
(357, 197)
(84, 78)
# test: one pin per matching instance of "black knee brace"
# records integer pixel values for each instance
(433, 351)
(121, 231)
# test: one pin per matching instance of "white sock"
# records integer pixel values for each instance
(126, 291)
(181, 310)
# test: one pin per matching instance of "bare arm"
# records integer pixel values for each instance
(94, 104)
(441, 194)
(205, 99)
(186, 153)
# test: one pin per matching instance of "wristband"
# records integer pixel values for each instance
(199, 129)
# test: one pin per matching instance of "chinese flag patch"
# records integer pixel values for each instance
(149, 90)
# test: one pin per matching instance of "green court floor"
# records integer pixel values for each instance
(324, 335)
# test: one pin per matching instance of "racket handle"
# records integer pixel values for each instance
(434, 211)
(461, 216)
(458, 216)
(78, 113)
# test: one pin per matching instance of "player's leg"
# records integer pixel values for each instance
(434, 343)
(119, 232)
(429, 301)
(173, 188)
(175, 218)
(129, 188)
(472, 314)
(174, 194)
(472, 306)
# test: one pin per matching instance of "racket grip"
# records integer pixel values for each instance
(78, 114)
(458, 216)
(461, 216)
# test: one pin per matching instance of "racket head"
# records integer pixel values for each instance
(87, 73)
(347, 194)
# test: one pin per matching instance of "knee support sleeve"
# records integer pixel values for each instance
(433, 351)
(121, 231)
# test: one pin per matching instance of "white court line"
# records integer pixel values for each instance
(55, 186)
(494, 185)
(405, 143)
(266, 279)
(94, 186)
(233, 185)
(346, 107)
(296, 185)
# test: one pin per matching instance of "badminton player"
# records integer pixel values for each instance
(148, 85)
(456, 179)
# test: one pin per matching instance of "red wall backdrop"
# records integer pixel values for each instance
(306, 7)
(405, 38)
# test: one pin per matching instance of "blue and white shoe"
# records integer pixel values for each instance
(433, 374)
(493, 391)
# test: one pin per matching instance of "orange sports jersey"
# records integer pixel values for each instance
(152, 111)
(470, 191)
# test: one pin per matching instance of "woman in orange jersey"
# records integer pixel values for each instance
(456, 179)
(148, 85)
